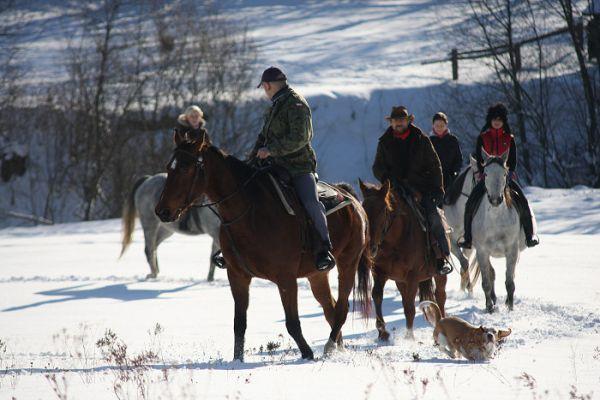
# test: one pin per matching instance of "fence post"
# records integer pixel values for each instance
(454, 58)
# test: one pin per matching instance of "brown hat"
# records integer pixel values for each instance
(399, 112)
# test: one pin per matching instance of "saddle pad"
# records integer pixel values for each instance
(332, 198)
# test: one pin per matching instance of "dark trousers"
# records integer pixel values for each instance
(434, 220)
(518, 198)
(306, 189)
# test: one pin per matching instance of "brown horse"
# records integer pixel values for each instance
(401, 253)
(260, 239)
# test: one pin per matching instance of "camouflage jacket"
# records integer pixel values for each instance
(287, 132)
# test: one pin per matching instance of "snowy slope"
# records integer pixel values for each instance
(61, 287)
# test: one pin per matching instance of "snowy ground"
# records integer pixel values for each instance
(61, 288)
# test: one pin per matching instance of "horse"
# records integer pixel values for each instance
(260, 239)
(497, 230)
(401, 253)
(142, 200)
(455, 215)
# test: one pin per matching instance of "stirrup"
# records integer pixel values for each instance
(463, 244)
(325, 261)
(444, 267)
(219, 260)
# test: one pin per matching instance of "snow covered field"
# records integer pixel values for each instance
(61, 288)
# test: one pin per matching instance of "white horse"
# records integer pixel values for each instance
(142, 201)
(497, 231)
(455, 215)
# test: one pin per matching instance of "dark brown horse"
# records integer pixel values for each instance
(260, 239)
(401, 254)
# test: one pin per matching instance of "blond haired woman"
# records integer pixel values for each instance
(191, 123)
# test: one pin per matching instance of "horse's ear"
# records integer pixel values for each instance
(473, 163)
(362, 186)
(504, 333)
(504, 156)
(486, 155)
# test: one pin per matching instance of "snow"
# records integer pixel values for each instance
(62, 287)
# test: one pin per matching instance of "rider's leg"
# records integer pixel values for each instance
(306, 188)
(470, 208)
(434, 220)
(524, 213)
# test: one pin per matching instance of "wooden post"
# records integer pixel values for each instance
(454, 58)
(518, 57)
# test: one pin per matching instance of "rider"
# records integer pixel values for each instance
(447, 148)
(285, 139)
(496, 138)
(191, 122)
(406, 157)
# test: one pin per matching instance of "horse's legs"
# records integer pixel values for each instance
(211, 270)
(345, 285)
(377, 294)
(161, 235)
(319, 284)
(409, 293)
(240, 288)
(488, 277)
(150, 245)
(465, 279)
(440, 292)
(511, 263)
(288, 290)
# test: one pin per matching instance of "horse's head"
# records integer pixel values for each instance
(495, 171)
(378, 206)
(185, 177)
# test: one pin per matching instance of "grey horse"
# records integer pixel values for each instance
(142, 201)
(497, 231)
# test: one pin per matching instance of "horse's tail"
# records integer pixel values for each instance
(474, 270)
(426, 290)
(129, 213)
(362, 291)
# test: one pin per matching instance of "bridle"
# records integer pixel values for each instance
(198, 163)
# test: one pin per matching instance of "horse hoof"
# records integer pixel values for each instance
(384, 336)
(330, 346)
(308, 356)
(490, 309)
(151, 276)
(410, 335)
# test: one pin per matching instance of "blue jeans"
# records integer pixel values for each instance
(306, 189)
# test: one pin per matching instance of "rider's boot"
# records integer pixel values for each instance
(324, 259)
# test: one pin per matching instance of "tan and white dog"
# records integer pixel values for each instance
(456, 337)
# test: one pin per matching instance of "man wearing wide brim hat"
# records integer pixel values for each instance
(285, 139)
(406, 157)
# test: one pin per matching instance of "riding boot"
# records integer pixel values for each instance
(525, 217)
(436, 226)
(470, 209)
(218, 259)
(324, 259)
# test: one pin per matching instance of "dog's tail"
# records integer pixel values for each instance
(431, 311)
(129, 213)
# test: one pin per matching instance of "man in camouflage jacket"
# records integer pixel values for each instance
(285, 139)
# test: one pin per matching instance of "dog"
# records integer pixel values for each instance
(456, 337)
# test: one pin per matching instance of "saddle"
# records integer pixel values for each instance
(331, 197)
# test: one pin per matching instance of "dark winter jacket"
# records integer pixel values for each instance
(448, 151)
(412, 160)
(496, 142)
(182, 127)
(287, 132)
